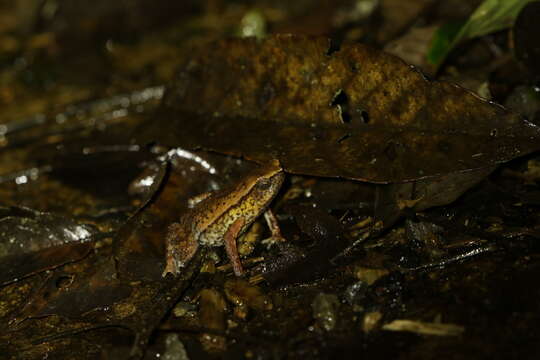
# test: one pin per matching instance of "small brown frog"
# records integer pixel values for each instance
(220, 217)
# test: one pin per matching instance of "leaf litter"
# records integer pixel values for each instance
(323, 114)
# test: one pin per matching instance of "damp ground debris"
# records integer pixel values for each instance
(408, 133)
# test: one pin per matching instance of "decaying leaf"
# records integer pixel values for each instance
(393, 200)
(356, 112)
(32, 241)
(425, 328)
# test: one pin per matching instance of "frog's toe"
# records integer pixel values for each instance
(172, 267)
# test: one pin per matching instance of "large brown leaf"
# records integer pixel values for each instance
(356, 112)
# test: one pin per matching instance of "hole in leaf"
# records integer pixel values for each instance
(63, 281)
(364, 116)
(391, 151)
(343, 138)
(340, 101)
(332, 47)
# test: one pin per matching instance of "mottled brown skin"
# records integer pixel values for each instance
(222, 216)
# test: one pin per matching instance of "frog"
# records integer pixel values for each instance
(220, 217)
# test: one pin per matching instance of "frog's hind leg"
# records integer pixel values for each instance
(229, 241)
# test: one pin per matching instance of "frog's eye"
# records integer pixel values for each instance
(264, 184)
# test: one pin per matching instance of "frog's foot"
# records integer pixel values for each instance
(172, 267)
(229, 241)
(274, 229)
(180, 249)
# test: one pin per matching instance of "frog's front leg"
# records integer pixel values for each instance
(181, 247)
(273, 225)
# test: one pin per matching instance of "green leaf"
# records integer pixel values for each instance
(490, 16)
(442, 40)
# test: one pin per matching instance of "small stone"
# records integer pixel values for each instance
(325, 308)
(175, 349)
(371, 319)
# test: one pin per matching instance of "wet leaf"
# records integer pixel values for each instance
(395, 200)
(32, 241)
(297, 264)
(356, 113)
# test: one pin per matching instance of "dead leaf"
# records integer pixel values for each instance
(356, 112)
(34, 241)
(393, 200)
(425, 328)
